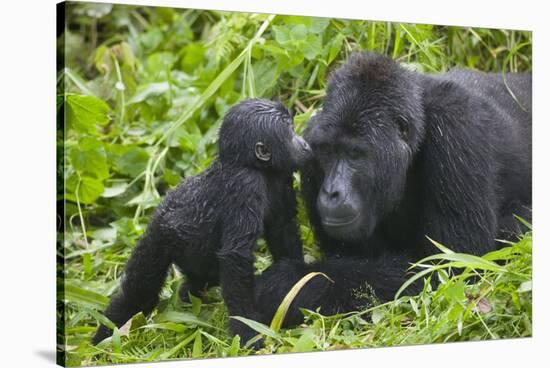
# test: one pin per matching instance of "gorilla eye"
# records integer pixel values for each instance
(262, 152)
(403, 127)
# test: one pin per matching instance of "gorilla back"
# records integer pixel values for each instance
(402, 155)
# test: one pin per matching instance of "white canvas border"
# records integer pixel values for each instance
(28, 180)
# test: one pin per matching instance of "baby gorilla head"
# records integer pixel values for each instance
(259, 133)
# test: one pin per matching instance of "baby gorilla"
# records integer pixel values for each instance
(209, 224)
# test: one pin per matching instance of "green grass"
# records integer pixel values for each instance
(142, 96)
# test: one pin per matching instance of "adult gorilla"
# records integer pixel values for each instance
(402, 155)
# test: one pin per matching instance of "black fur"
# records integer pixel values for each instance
(402, 155)
(446, 156)
(355, 284)
(209, 224)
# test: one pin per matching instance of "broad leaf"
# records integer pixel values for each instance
(84, 113)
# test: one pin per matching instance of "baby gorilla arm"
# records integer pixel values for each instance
(236, 262)
(281, 229)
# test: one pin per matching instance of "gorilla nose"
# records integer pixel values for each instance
(333, 196)
(302, 151)
(334, 208)
(338, 203)
(330, 201)
(305, 146)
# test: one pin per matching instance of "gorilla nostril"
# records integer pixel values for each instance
(334, 195)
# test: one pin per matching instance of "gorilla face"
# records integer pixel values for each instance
(259, 133)
(300, 151)
(363, 141)
(288, 151)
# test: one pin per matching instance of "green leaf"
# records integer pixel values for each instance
(179, 346)
(455, 291)
(464, 260)
(130, 160)
(524, 222)
(99, 317)
(257, 326)
(335, 47)
(312, 46)
(171, 177)
(151, 39)
(76, 294)
(115, 190)
(78, 81)
(525, 286)
(377, 316)
(298, 32)
(265, 72)
(106, 234)
(196, 304)
(115, 341)
(171, 326)
(138, 321)
(306, 342)
(318, 25)
(296, 58)
(95, 10)
(160, 62)
(127, 55)
(149, 90)
(280, 314)
(455, 312)
(89, 158)
(235, 345)
(102, 59)
(193, 57)
(413, 279)
(84, 113)
(147, 198)
(282, 35)
(88, 189)
(197, 345)
(414, 306)
(440, 246)
(183, 317)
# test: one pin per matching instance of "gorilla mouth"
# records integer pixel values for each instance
(340, 222)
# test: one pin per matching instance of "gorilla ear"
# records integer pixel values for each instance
(262, 152)
(403, 127)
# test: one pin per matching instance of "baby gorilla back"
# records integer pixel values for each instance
(191, 224)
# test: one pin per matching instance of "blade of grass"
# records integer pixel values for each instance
(463, 260)
(79, 82)
(77, 294)
(179, 346)
(280, 314)
(440, 246)
(257, 326)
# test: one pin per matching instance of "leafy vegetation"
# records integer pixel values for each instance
(141, 94)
